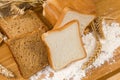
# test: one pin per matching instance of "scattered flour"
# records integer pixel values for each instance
(74, 71)
(112, 34)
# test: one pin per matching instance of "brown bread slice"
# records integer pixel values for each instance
(29, 52)
(21, 24)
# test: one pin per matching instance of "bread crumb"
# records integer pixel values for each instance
(71, 78)
(42, 76)
(51, 74)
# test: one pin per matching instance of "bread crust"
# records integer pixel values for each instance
(60, 29)
(50, 11)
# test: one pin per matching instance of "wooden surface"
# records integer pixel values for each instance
(115, 77)
(107, 8)
(7, 60)
(106, 70)
(110, 8)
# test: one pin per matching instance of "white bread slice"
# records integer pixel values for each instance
(69, 15)
(64, 45)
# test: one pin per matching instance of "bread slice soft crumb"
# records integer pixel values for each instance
(64, 45)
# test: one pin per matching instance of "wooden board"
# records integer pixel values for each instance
(110, 8)
(7, 60)
(115, 77)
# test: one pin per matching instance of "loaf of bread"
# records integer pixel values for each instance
(51, 13)
(15, 26)
(64, 45)
(52, 9)
(69, 15)
(29, 53)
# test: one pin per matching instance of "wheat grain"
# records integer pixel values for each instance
(93, 57)
(98, 27)
(97, 51)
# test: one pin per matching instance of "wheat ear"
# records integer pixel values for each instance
(98, 27)
(97, 51)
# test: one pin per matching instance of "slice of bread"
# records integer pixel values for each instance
(21, 24)
(64, 45)
(69, 15)
(29, 52)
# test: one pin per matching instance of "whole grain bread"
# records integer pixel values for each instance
(29, 53)
(21, 24)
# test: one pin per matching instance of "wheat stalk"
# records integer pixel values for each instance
(98, 27)
(97, 50)
(93, 57)
(7, 73)
(29, 1)
(18, 6)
